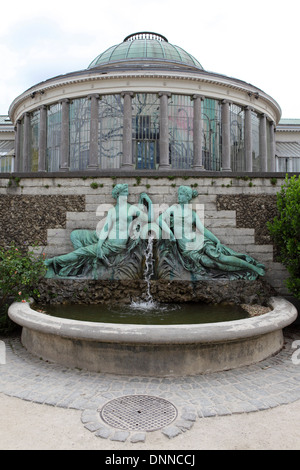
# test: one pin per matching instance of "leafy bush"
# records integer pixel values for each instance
(20, 273)
(285, 231)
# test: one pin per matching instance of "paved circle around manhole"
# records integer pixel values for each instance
(139, 412)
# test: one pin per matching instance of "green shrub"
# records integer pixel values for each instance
(285, 231)
(20, 273)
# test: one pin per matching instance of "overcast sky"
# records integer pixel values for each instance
(256, 41)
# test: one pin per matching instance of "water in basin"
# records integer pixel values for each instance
(148, 313)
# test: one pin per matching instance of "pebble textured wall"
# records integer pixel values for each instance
(25, 219)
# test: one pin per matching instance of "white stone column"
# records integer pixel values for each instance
(94, 124)
(263, 152)
(197, 133)
(226, 154)
(65, 136)
(164, 163)
(42, 139)
(26, 142)
(127, 131)
(248, 139)
(273, 146)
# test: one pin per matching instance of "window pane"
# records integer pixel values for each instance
(53, 137)
(80, 116)
(211, 146)
(145, 130)
(282, 164)
(295, 164)
(255, 142)
(7, 151)
(120, 52)
(34, 140)
(237, 138)
(110, 131)
(181, 113)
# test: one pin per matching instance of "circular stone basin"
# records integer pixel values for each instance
(154, 350)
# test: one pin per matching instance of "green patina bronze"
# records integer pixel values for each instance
(182, 247)
(106, 252)
(198, 250)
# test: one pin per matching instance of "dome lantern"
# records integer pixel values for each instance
(145, 35)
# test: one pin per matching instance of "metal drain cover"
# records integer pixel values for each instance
(138, 412)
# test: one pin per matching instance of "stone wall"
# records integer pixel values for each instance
(25, 219)
(45, 210)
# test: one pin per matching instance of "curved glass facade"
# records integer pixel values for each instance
(145, 131)
(144, 104)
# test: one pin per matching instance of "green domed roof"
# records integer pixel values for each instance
(141, 46)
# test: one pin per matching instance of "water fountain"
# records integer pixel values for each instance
(148, 303)
(155, 349)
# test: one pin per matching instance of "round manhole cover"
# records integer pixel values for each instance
(138, 412)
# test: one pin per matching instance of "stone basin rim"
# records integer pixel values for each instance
(283, 313)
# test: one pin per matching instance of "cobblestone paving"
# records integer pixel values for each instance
(270, 383)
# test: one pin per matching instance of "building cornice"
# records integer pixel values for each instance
(252, 93)
(7, 129)
(287, 128)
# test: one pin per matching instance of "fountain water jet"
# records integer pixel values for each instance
(148, 303)
(149, 267)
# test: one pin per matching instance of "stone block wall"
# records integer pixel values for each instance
(44, 210)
